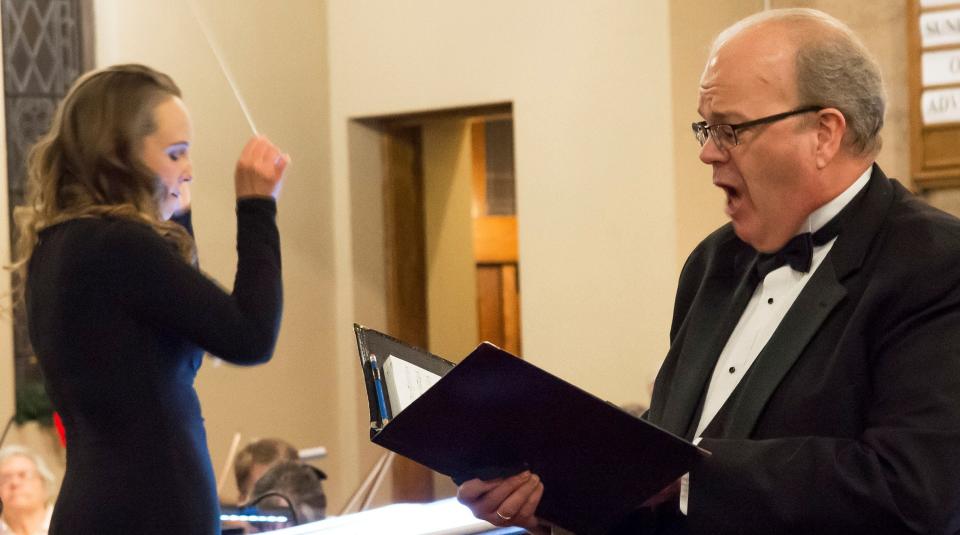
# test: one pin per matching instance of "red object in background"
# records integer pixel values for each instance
(61, 432)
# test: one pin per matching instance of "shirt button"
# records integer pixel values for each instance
(732, 369)
(770, 301)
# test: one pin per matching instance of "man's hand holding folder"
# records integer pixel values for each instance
(495, 500)
(510, 501)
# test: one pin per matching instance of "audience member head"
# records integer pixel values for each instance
(256, 458)
(25, 487)
(806, 103)
(292, 485)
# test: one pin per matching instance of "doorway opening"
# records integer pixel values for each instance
(449, 232)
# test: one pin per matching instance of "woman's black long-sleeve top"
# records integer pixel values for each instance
(119, 323)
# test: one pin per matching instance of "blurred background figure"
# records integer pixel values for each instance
(256, 458)
(292, 488)
(26, 485)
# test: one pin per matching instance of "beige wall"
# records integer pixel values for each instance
(699, 209)
(451, 270)
(594, 186)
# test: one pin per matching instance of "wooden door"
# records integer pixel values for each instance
(495, 233)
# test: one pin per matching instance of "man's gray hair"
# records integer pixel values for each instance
(834, 70)
(38, 462)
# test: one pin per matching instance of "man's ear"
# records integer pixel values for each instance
(831, 127)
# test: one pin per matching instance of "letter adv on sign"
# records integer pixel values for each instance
(941, 106)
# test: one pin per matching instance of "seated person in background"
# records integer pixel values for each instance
(294, 487)
(25, 485)
(256, 458)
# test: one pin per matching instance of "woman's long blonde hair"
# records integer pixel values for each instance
(89, 165)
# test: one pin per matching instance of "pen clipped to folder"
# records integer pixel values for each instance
(378, 386)
(394, 374)
(396, 383)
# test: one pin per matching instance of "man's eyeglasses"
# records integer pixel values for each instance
(725, 135)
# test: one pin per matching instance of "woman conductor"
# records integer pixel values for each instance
(118, 315)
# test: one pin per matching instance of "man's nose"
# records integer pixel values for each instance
(711, 153)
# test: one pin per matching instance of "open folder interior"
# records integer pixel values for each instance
(495, 414)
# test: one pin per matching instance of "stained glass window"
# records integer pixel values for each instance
(46, 45)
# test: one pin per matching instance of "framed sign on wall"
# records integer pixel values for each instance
(934, 41)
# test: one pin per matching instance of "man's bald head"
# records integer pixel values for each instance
(831, 66)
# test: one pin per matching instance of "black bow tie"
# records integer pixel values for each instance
(798, 252)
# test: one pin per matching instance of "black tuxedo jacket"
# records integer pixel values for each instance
(849, 419)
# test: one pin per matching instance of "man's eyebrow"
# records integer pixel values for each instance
(722, 117)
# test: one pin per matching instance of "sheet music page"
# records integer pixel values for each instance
(405, 382)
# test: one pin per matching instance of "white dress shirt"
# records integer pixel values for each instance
(770, 302)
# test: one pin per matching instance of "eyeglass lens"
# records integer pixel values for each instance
(722, 134)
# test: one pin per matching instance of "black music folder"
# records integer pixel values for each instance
(495, 414)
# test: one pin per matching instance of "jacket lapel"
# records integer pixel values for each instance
(739, 415)
(712, 318)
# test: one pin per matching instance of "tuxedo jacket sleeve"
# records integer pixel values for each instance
(849, 419)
